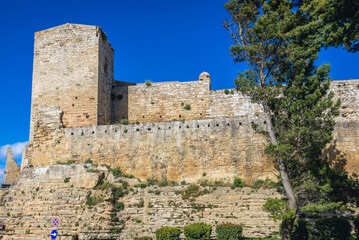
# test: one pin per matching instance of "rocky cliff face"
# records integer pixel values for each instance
(91, 203)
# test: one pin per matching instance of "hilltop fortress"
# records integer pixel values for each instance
(176, 130)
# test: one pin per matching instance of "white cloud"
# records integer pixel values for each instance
(16, 148)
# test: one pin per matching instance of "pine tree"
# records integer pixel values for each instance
(298, 107)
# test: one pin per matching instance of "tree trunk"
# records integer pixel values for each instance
(286, 229)
(287, 225)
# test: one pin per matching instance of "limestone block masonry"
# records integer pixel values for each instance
(42, 193)
(177, 130)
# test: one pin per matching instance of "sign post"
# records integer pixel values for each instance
(55, 223)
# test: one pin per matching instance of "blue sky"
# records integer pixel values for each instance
(157, 40)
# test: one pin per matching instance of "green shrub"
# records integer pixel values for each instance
(143, 238)
(264, 184)
(89, 161)
(93, 200)
(238, 182)
(125, 122)
(198, 231)
(356, 226)
(187, 107)
(168, 233)
(229, 231)
(117, 192)
(191, 191)
(66, 180)
(119, 206)
(333, 229)
(116, 172)
(226, 91)
(148, 83)
(301, 230)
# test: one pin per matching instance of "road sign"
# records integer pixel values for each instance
(55, 222)
(53, 234)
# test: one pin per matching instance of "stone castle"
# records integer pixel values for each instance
(181, 131)
(177, 130)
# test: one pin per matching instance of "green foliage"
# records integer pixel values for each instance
(226, 91)
(191, 191)
(143, 238)
(93, 200)
(141, 185)
(89, 161)
(197, 231)
(102, 185)
(125, 122)
(264, 184)
(117, 192)
(322, 206)
(67, 162)
(187, 107)
(66, 180)
(278, 209)
(118, 206)
(333, 229)
(229, 231)
(334, 21)
(301, 230)
(148, 83)
(356, 226)
(168, 233)
(238, 182)
(116, 172)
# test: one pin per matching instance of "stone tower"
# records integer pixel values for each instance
(73, 69)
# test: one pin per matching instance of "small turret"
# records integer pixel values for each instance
(205, 77)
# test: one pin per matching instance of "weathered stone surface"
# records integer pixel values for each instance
(223, 148)
(42, 193)
(25, 157)
(12, 170)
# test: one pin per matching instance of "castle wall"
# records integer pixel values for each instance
(343, 151)
(162, 101)
(221, 148)
(166, 102)
(223, 145)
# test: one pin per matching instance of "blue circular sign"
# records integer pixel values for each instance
(53, 234)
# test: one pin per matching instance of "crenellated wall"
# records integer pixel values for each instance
(177, 150)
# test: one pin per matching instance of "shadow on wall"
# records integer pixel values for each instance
(336, 157)
(119, 98)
